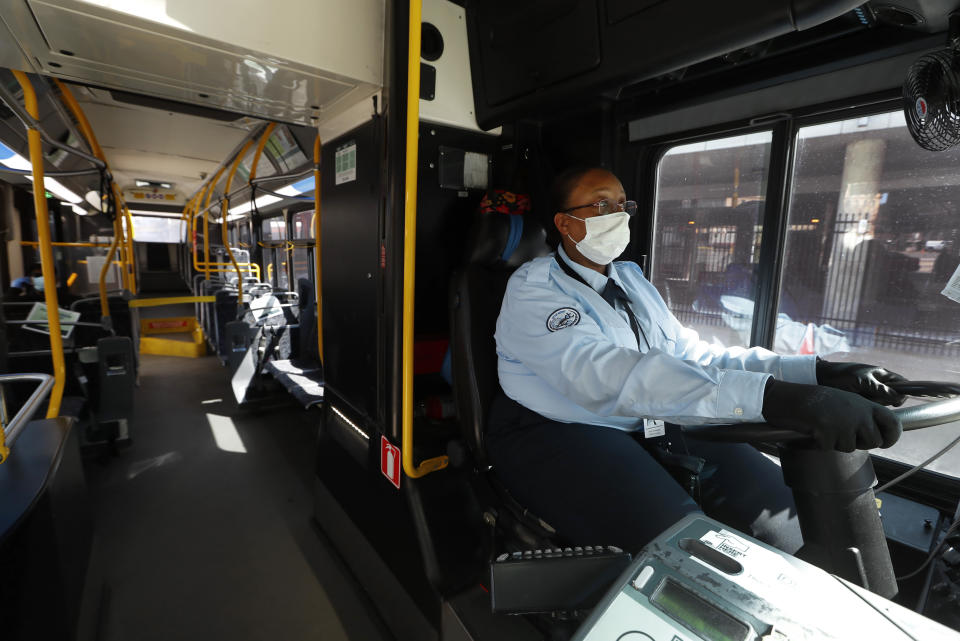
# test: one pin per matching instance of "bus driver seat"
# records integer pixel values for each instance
(504, 237)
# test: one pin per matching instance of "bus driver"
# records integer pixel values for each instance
(590, 355)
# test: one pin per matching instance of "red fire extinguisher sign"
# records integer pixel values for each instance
(390, 461)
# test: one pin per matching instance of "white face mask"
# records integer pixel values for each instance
(38, 283)
(607, 236)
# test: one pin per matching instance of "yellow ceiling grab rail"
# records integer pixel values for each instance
(46, 251)
(410, 247)
(126, 252)
(224, 208)
(256, 154)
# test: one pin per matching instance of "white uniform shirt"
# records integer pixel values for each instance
(564, 353)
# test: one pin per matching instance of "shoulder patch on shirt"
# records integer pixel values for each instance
(563, 318)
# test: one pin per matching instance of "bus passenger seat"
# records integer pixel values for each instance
(302, 373)
(499, 242)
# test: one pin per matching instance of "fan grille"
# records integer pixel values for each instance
(931, 100)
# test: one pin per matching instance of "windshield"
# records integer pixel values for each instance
(873, 236)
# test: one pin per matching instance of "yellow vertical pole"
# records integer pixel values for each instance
(193, 225)
(126, 240)
(253, 174)
(46, 250)
(317, 262)
(132, 266)
(410, 247)
(225, 204)
(206, 224)
(104, 304)
(121, 246)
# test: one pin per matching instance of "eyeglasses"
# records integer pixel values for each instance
(605, 207)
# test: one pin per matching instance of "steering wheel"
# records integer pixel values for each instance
(912, 418)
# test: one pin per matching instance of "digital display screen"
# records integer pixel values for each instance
(697, 614)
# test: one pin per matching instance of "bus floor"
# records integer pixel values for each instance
(203, 523)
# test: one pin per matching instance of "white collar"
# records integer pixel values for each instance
(594, 279)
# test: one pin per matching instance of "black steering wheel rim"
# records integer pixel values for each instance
(913, 418)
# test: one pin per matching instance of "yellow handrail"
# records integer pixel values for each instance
(410, 246)
(260, 145)
(193, 225)
(81, 117)
(33, 243)
(104, 305)
(200, 204)
(46, 251)
(91, 138)
(206, 221)
(132, 265)
(317, 213)
(224, 208)
(126, 247)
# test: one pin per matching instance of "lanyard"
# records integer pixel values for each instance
(634, 325)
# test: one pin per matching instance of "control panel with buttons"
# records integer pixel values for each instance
(701, 581)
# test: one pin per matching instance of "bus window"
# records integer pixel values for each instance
(156, 229)
(709, 211)
(274, 235)
(244, 234)
(872, 238)
(283, 150)
(302, 254)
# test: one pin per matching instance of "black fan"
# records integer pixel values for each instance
(931, 97)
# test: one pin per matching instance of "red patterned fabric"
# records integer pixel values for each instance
(505, 202)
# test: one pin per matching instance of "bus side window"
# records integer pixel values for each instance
(708, 226)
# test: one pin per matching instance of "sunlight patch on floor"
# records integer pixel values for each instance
(225, 434)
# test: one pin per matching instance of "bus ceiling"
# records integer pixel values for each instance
(301, 67)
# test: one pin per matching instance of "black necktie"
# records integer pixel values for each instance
(612, 293)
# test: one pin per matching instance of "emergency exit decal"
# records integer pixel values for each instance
(390, 461)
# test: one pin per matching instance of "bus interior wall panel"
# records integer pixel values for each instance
(351, 272)
(45, 554)
(11, 54)
(450, 529)
(394, 154)
(381, 517)
(444, 217)
(662, 37)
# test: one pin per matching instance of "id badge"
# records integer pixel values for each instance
(653, 428)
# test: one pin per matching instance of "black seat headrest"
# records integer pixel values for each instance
(505, 235)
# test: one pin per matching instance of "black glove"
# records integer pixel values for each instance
(836, 420)
(865, 380)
